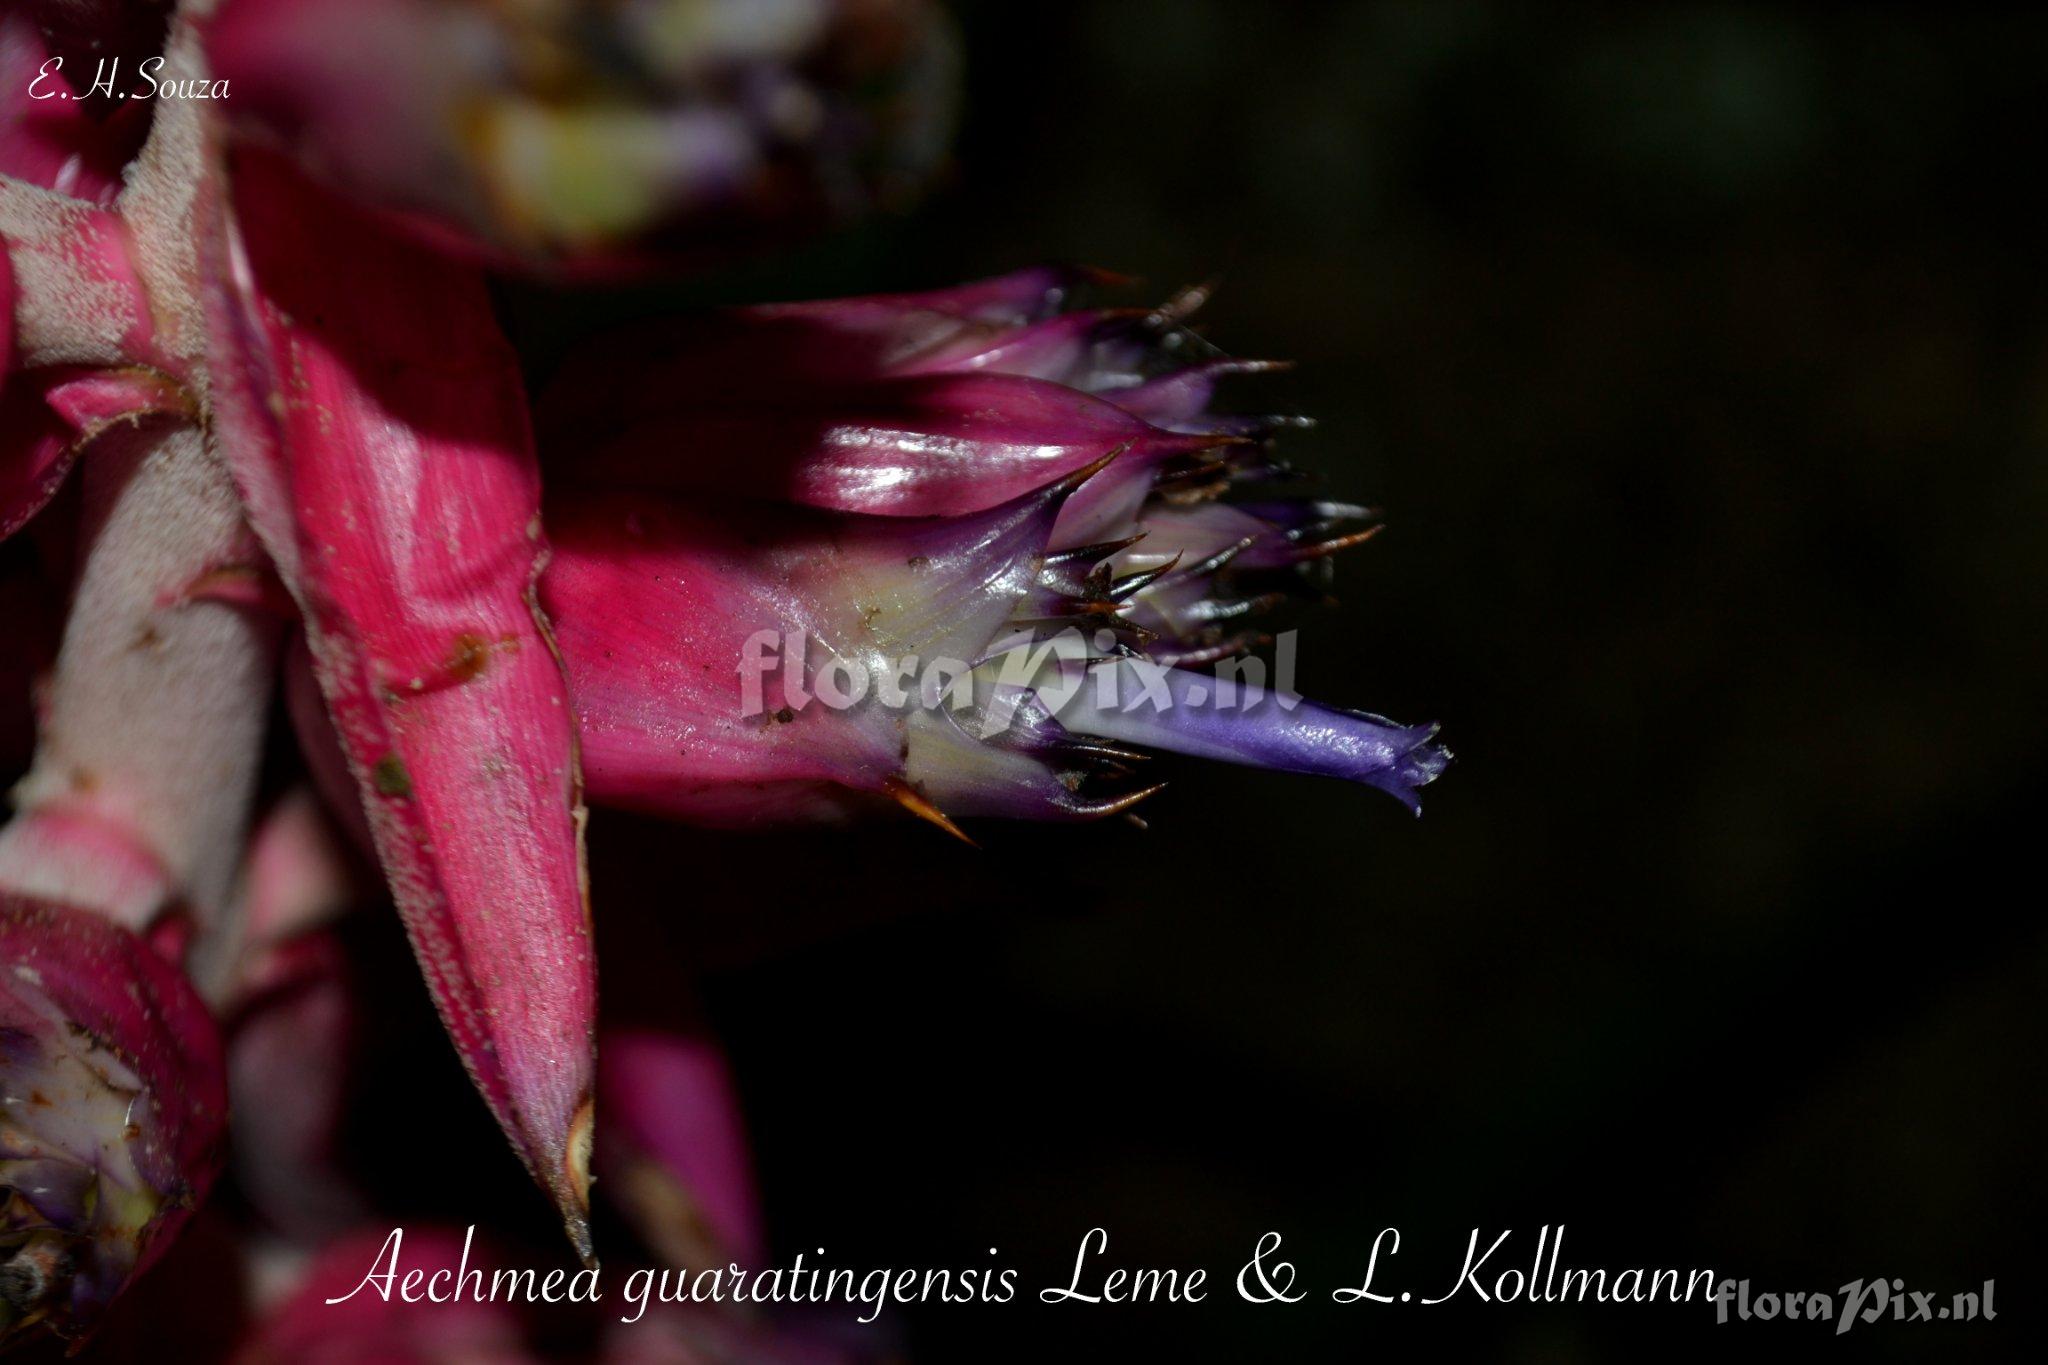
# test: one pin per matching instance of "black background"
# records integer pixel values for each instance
(1699, 356)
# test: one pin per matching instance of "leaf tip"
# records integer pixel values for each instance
(574, 1192)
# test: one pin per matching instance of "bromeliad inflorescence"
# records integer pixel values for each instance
(260, 419)
(1020, 531)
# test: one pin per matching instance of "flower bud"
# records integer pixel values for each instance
(112, 1112)
(1013, 530)
(952, 401)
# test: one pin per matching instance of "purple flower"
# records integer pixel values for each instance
(879, 490)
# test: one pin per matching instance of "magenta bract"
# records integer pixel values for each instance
(672, 1151)
(372, 416)
(49, 416)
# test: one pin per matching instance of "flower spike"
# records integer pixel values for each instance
(745, 663)
(897, 416)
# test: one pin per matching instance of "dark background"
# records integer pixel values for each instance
(1699, 355)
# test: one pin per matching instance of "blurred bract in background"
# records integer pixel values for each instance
(563, 129)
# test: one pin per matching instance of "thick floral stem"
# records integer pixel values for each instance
(153, 726)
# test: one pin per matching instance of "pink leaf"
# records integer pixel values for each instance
(372, 415)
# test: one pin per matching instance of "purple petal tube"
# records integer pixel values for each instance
(112, 1112)
(1180, 711)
